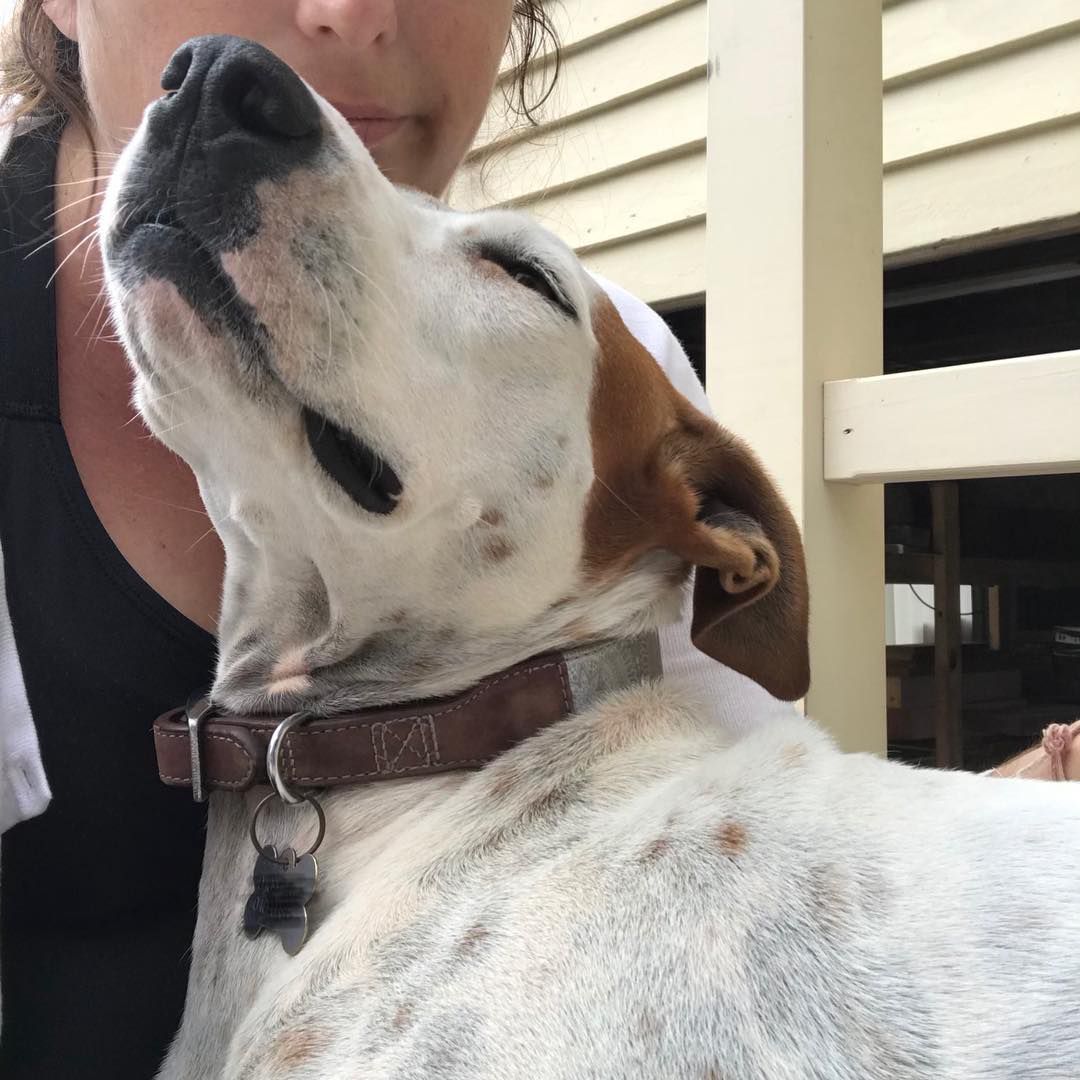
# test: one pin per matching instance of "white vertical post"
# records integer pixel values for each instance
(793, 274)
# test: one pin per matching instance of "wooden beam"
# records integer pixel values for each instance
(918, 569)
(793, 280)
(948, 710)
(1002, 418)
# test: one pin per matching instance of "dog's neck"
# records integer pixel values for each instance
(332, 636)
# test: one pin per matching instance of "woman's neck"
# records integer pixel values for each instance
(145, 497)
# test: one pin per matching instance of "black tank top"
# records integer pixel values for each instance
(98, 893)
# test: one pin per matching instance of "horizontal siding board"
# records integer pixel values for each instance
(1017, 185)
(659, 268)
(657, 196)
(581, 23)
(647, 56)
(918, 36)
(615, 141)
(1002, 94)
(981, 133)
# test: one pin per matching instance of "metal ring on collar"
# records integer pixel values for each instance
(315, 804)
(273, 757)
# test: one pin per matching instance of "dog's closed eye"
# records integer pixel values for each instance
(531, 275)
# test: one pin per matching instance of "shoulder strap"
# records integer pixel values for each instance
(28, 386)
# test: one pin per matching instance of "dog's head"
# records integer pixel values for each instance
(428, 442)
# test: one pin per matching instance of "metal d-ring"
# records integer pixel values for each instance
(315, 804)
(273, 756)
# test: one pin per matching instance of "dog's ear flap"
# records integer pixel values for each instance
(751, 606)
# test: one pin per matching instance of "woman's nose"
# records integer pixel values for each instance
(358, 23)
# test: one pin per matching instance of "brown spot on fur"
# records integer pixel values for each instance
(503, 781)
(474, 937)
(553, 800)
(649, 1024)
(296, 1046)
(712, 1074)
(497, 549)
(830, 896)
(731, 838)
(659, 847)
(579, 630)
(661, 468)
(402, 1017)
(492, 517)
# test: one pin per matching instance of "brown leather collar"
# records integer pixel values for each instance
(415, 739)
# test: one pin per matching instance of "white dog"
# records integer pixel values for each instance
(433, 451)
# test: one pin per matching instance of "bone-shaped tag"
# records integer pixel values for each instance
(283, 886)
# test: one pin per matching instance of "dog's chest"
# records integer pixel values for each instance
(620, 921)
(637, 904)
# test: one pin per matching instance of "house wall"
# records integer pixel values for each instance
(981, 134)
(981, 122)
(618, 167)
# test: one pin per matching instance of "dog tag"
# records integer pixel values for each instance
(283, 884)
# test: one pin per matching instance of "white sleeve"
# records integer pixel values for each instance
(24, 790)
(734, 701)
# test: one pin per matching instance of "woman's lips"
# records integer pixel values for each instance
(373, 129)
(371, 122)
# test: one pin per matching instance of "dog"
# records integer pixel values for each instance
(433, 451)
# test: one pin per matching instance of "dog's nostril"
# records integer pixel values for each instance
(266, 105)
(172, 78)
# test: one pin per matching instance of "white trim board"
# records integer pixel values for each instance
(1017, 417)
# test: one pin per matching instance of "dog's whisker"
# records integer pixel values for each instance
(173, 506)
(86, 255)
(618, 498)
(329, 321)
(64, 261)
(74, 202)
(59, 236)
(85, 180)
(166, 431)
(101, 298)
(369, 280)
(197, 542)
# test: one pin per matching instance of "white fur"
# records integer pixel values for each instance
(627, 894)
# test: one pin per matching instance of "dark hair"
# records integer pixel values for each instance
(533, 35)
(39, 67)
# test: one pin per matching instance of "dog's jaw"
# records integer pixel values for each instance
(330, 635)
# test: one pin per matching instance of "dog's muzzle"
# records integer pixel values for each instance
(233, 115)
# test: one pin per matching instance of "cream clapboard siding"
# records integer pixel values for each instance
(617, 168)
(981, 122)
(981, 134)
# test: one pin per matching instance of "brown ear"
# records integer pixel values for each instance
(669, 477)
(751, 605)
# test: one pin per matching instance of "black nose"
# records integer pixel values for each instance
(227, 84)
(235, 114)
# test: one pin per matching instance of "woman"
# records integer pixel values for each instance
(112, 573)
